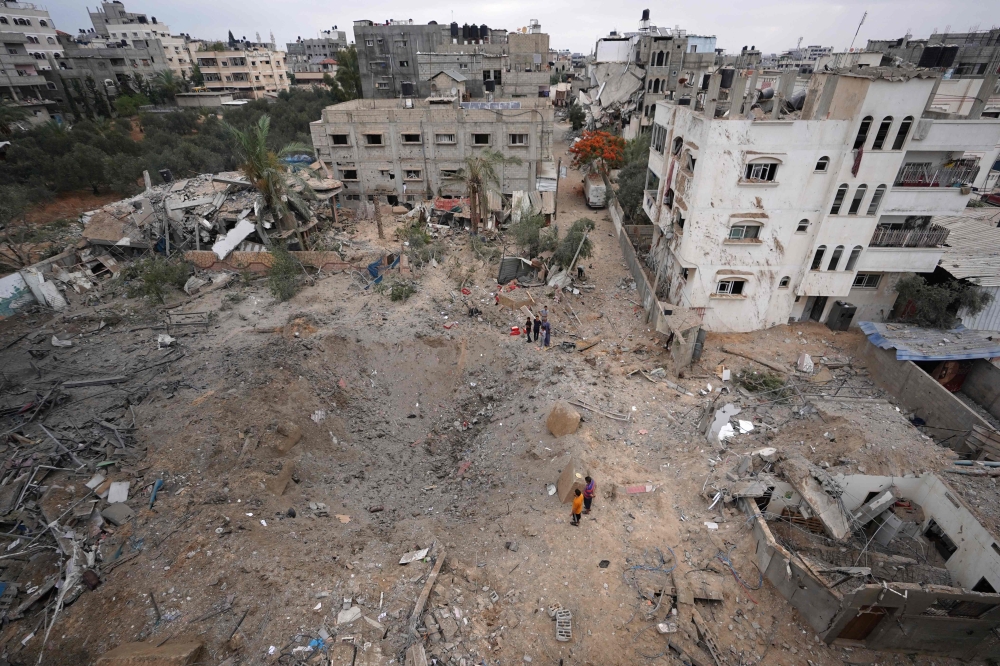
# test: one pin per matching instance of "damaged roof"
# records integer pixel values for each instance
(913, 343)
(972, 251)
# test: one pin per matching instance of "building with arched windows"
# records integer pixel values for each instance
(769, 205)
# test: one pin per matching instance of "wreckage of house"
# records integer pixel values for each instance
(409, 150)
(775, 206)
(884, 563)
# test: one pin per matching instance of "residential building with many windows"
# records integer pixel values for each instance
(116, 25)
(766, 214)
(410, 150)
(38, 29)
(254, 73)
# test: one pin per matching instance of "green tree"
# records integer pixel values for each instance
(166, 84)
(531, 234)
(197, 78)
(631, 191)
(128, 105)
(349, 73)
(577, 116)
(262, 167)
(480, 174)
(90, 166)
(937, 305)
(571, 241)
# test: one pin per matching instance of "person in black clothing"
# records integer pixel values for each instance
(537, 327)
(527, 329)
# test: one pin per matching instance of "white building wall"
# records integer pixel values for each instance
(716, 197)
(40, 31)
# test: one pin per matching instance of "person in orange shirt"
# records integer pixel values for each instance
(577, 507)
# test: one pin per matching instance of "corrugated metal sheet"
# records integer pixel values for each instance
(973, 246)
(989, 318)
(913, 343)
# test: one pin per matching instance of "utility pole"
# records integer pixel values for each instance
(857, 31)
(555, 210)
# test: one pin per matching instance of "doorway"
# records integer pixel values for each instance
(864, 623)
(815, 305)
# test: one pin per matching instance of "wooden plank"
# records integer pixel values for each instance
(422, 599)
(100, 381)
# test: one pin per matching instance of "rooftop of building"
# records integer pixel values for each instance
(399, 103)
(973, 248)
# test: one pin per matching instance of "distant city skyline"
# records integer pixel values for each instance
(770, 25)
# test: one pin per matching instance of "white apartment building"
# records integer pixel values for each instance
(765, 215)
(37, 27)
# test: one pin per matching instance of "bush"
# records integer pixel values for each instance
(485, 249)
(398, 289)
(151, 276)
(532, 236)
(283, 277)
(577, 116)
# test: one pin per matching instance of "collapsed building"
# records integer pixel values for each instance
(634, 70)
(884, 563)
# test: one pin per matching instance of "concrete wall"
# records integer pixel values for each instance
(946, 416)
(982, 384)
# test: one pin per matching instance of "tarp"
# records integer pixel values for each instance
(514, 267)
(913, 343)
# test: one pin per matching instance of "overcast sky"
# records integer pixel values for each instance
(771, 25)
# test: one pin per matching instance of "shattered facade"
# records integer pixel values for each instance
(410, 150)
(633, 71)
(770, 208)
(922, 578)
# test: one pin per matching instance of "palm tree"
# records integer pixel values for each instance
(480, 176)
(166, 84)
(9, 114)
(263, 168)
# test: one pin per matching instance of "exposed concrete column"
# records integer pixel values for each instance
(784, 92)
(712, 96)
(934, 90)
(985, 90)
(736, 97)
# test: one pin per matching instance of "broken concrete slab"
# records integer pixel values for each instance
(348, 616)
(278, 484)
(802, 475)
(118, 492)
(571, 478)
(717, 430)
(179, 653)
(413, 556)
(117, 514)
(805, 363)
(229, 242)
(416, 655)
(563, 420)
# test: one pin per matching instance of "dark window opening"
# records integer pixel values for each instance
(373, 139)
(866, 124)
(883, 133)
(901, 134)
(481, 139)
(349, 174)
(941, 541)
(838, 200)
(818, 258)
(411, 138)
(983, 586)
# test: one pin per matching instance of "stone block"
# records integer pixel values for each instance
(278, 483)
(563, 420)
(290, 434)
(117, 514)
(571, 477)
(179, 653)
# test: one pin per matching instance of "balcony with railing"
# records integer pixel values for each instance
(649, 204)
(953, 174)
(932, 236)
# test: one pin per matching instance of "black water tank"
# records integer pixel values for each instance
(407, 88)
(484, 32)
(766, 93)
(704, 81)
(948, 55)
(930, 56)
(454, 30)
(645, 14)
(490, 85)
(466, 33)
(727, 78)
(684, 101)
(841, 315)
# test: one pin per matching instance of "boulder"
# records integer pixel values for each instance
(290, 436)
(563, 420)
(571, 478)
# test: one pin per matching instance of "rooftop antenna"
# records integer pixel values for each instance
(798, 45)
(858, 30)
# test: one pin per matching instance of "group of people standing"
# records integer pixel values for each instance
(540, 326)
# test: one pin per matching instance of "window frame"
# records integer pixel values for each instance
(367, 136)
(767, 170)
(835, 257)
(882, 133)
(744, 227)
(864, 279)
(863, 130)
(511, 142)
(438, 141)
(477, 142)
(903, 133)
(838, 199)
(803, 226)
(785, 282)
(858, 200)
(345, 174)
(876, 200)
(817, 262)
(825, 161)
(408, 174)
(410, 142)
(728, 291)
(852, 260)
(449, 174)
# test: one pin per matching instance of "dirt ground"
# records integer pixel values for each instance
(420, 427)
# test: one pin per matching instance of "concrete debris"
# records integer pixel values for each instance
(571, 478)
(563, 420)
(805, 363)
(349, 615)
(413, 556)
(172, 653)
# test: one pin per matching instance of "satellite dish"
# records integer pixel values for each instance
(454, 91)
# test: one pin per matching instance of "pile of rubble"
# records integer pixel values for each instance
(219, 211)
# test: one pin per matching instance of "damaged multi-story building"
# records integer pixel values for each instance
(401, 58)
(877, 562)
(312, 59)
(632, 71)
(772, 206)
(409, 150)
(116, 25)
